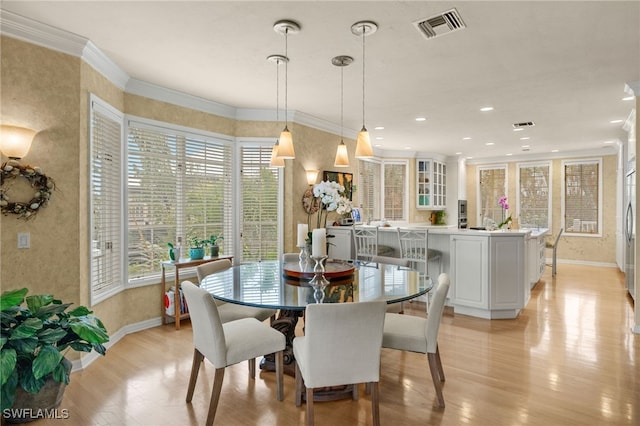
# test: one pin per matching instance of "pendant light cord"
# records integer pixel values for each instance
(364, 30)
(286, 75)
(341, 101)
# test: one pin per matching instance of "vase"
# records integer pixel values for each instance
(196, 253)
(215, 250)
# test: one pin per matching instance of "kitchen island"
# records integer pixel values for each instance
(492, 272)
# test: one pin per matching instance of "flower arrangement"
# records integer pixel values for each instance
(502, 201)
(331, 198)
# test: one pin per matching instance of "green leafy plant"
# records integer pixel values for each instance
(213, 239)
(33, 339)
(198, 243)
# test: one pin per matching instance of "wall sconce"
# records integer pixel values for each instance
(15, 141)
(312, 175)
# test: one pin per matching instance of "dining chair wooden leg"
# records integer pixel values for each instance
(440, 369)
(279, 374)
(354, 391)
(309, 406)
(433, 367)
(252, 367)
(299, 386)
(215, 395)
(195, 367)
(375, 404)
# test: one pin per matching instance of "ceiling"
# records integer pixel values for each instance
(561, 65)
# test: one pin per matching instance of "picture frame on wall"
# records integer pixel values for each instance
(344, 179)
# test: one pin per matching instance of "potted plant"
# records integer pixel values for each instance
(213, 241)
(33, 339)
(196, 251)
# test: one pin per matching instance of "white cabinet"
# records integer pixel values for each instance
(341, 242)
(431, 184)
(487, 274)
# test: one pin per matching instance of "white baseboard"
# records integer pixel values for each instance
(87, 359)
(581, 262)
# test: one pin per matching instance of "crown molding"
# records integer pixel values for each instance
(607, 150)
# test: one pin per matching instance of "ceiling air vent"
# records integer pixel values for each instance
(523, 124)
(438, 25)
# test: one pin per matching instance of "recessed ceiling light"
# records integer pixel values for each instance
(525, 138)
(469, 158)
(608, 142)
(615, 121)
(466, 138)
(379, 128)
(378, 145)
(458, 153)
(525, 146)
(508, 155)
(489, 143)
(486, 109)
(407, 147)
(379, 138)
(628, 98)
(421, 119)
(519, 129)
(555, 150)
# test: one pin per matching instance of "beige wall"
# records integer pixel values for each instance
(582, 249)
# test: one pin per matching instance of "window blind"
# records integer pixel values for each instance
(492, 186)
(534, 195)
(369, 183)
(259, 191)
(179, 188)
(395, 190)
(105, 135)
(581, 197)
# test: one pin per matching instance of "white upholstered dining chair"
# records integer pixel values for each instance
(341, 346)
(231, 311)
(227, 344)
(417, 334)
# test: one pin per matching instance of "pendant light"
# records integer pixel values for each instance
(277, 59)
(285, 147)
(342, 156)
(363, 143)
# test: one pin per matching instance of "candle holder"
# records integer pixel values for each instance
(304, 254)
(318, 282)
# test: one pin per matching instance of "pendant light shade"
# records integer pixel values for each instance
(277, 59)
(363, 143)
(342, 156)
(285, 149)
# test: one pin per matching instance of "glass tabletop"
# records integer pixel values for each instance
(271, 284)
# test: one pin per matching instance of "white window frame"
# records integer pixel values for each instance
(479, 190)
(600, 194)
(96, 104)
(520, 166)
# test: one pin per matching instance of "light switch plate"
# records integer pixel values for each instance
(24, 240)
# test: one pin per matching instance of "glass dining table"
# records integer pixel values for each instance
(285, 286)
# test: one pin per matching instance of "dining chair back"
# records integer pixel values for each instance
(341, 346)
(227, 344)
(290, 257)
(231, 311)
(417, 334)
(365, 239)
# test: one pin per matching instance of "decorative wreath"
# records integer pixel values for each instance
(310, 203)
(42, 184)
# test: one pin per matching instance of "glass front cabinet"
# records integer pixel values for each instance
(431, 184)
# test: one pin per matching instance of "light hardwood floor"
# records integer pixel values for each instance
(569, 359)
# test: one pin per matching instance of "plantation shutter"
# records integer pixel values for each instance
(105, 138)
(581, 193)
(369, 183)
(534, 195)
(395, 190)
(179, 188)
(259, 191)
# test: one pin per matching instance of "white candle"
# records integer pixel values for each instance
(319, 242)
(303, 229)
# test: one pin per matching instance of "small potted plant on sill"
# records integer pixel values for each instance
(213, 242)
(196, 251)
(33, 339)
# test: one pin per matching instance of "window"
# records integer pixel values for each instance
(369, 181)
(390, 203)
(179, 188)
(395, 190)
(492, 182)
(534, 195)
(105, 136)
(260, 187)
(582, 195)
